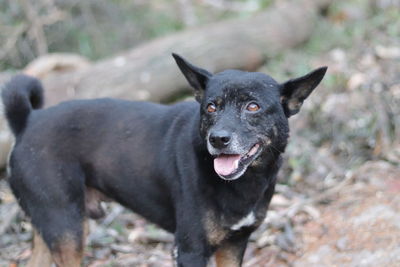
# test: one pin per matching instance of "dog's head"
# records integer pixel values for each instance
(245, 114)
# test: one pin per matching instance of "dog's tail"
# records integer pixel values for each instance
(20, 95)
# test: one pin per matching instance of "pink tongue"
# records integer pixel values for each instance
(226, 164)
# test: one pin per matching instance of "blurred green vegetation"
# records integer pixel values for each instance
(101, 28)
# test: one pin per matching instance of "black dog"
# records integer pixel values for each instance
(204, 171)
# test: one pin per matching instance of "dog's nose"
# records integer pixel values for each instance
(220, 139)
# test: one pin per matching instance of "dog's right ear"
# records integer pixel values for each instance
(197, 77)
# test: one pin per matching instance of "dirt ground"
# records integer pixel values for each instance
(355, 223)
(360, 227)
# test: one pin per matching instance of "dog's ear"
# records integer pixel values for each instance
(197, 77)
(294, 91)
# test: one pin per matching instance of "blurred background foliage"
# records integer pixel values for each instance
(99, 28)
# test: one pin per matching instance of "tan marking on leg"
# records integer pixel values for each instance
(68, 252)
(226, 257)
(215, 233)
(41, 256)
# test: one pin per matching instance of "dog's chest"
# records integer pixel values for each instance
(246, 221)
(219, 227)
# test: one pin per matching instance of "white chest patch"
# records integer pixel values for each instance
(249, 220)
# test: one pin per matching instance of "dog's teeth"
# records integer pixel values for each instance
(236, 164)
(253, 150)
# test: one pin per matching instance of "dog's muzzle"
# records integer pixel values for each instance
(231, 159)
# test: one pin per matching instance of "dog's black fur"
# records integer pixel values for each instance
(157, 160)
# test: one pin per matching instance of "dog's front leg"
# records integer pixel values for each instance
(191, 249)
(191, 259)
(230, 252)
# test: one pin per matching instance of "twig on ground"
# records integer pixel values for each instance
(295, 207)
(112, 215)
(11, 214)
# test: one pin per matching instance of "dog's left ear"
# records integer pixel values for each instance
(197, 77)
(295, 91)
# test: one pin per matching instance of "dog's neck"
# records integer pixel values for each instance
(246, 197)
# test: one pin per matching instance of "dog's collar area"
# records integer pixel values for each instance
(232, 166)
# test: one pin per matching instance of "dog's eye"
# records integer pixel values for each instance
(253, 107)
(211, 108)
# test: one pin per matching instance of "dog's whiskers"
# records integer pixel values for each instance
(271, 146)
